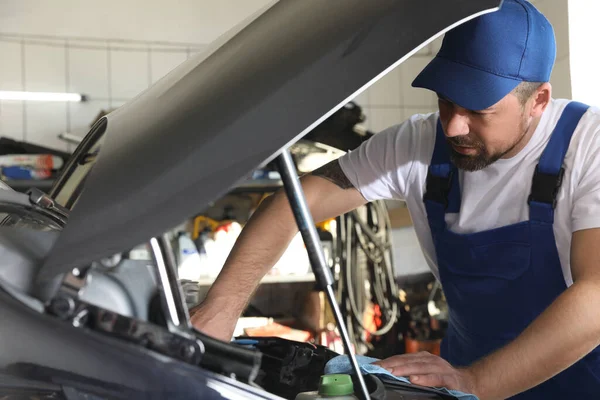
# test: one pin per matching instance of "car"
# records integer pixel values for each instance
(80, 319)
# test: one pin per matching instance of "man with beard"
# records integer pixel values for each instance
(503, 186)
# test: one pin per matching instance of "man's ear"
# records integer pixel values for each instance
(540, 100)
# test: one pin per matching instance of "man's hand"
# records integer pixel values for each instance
(426, 369)
(263, 241)
(564, 333)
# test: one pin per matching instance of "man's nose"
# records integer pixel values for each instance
(457, 125)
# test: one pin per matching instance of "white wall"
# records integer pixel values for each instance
(584, 60)
(392, 100)
(407, 253)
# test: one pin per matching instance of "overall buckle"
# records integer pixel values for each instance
(437, 188)
(544, 188)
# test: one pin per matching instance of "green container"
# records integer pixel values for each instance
(335, 386)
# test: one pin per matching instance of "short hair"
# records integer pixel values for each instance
(525, 90)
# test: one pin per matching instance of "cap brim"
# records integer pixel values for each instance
(465, 86)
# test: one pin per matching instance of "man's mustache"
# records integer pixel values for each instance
(463, 141)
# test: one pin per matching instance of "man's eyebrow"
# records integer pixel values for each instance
(444, 98)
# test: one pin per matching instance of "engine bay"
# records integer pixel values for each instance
(289, 368)
(141, 301)
(281, 367)
(125, 299)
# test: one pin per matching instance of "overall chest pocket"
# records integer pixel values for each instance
(505, 261)
(486, 287)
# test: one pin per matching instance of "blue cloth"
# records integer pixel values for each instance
(341, 365)
(484, 59)
(498, 281)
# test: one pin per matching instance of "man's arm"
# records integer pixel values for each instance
(263, 241)
(563, 334)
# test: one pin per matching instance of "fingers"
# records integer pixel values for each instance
(426, 369)
(422, 357)
(436, 380)
(422, 368)
(419, 368)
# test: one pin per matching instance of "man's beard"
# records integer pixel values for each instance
(483, 158)
(469, 162)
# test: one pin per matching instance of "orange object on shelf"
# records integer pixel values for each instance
(415, 346)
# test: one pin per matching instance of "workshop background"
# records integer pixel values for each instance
(110, 51)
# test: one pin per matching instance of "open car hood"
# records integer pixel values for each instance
(210, 122)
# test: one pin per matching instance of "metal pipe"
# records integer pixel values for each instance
(178, 318)
(307, 228)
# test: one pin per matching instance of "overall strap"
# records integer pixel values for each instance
(549, 172)
(442, 192)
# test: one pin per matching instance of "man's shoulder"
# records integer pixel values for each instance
(423, 122)
(420, 125)
(587, 131)
(584, 145)
(559, 105)
(389, 163)
(414, 138)
(588, 128)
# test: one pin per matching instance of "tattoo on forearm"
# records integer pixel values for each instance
(333, 173)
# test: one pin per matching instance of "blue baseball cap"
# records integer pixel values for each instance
(484, 59)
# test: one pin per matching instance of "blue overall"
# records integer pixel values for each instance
(498, 281)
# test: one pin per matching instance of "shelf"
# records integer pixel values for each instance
(269, 279)
(22, 185)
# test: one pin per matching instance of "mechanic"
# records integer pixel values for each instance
(504, 192)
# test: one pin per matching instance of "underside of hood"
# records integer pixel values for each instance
(209, 123)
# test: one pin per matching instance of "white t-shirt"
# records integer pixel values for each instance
(393, 165)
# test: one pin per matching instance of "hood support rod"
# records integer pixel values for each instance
(307, 228)
(178, 319)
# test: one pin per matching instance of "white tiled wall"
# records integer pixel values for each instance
(130, 74)
(10, 76)
(88, 71)
(108, 72)
(391, 99)
(45, 68)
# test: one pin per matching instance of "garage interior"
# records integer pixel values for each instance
(106, 53)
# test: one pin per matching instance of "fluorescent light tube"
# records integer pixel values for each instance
(41, 96)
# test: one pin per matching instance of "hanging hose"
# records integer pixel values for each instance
(371, 236)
